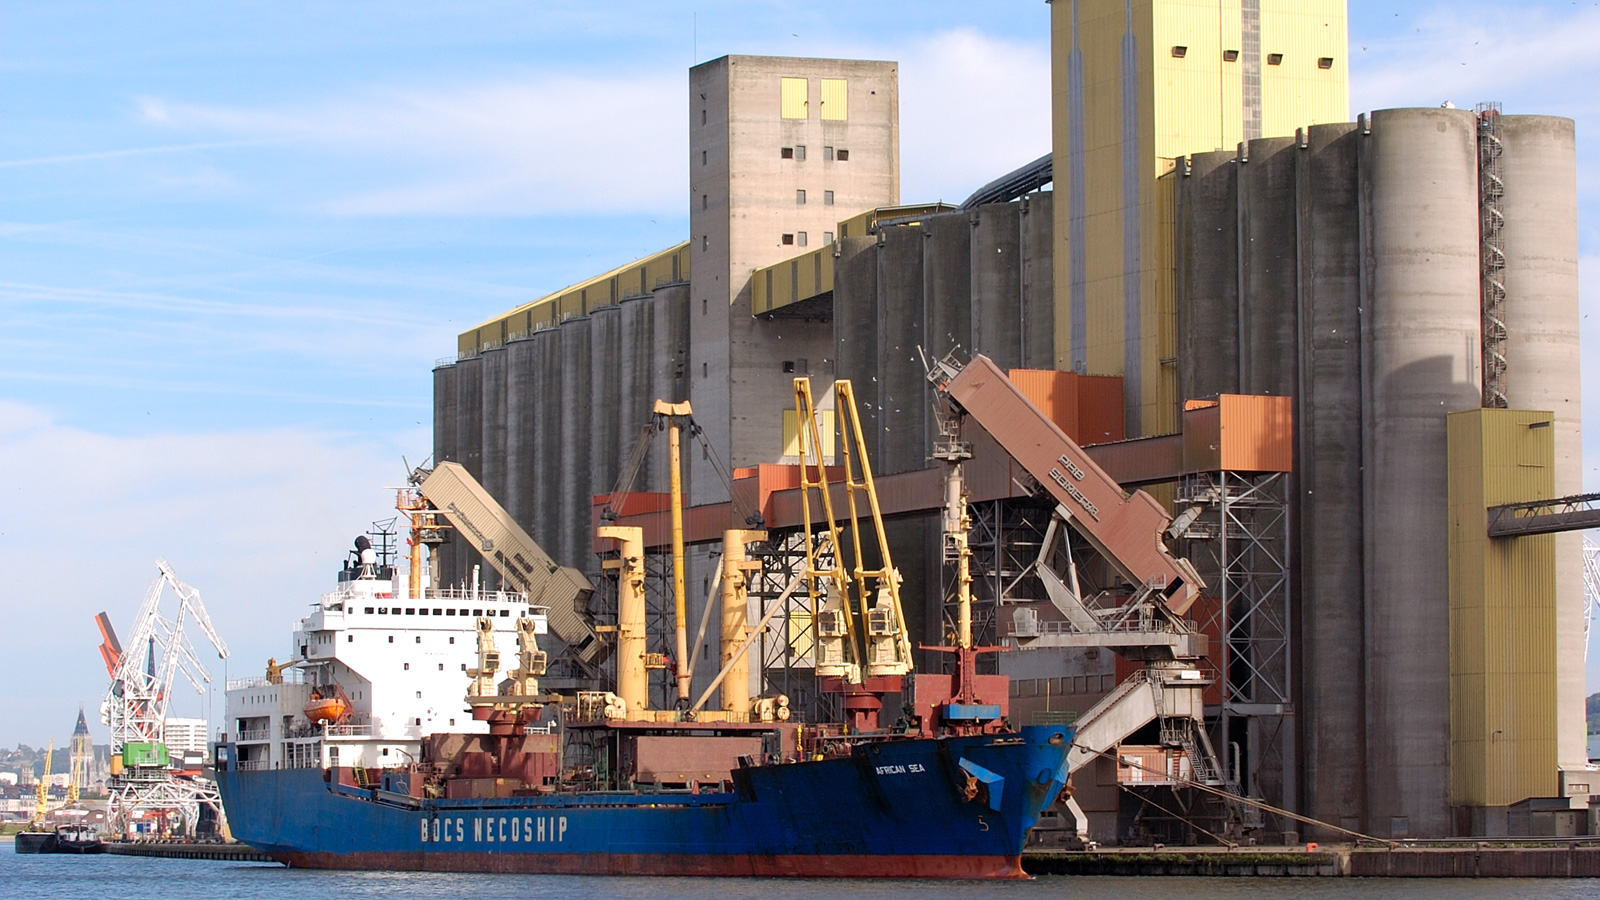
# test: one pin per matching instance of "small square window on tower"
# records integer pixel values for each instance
(1230, 56)
(827, 238)
(786, 153)
(827, 154)
(1179, 52)
(1274, 59)
(702, 117)
(800, 197)
(800, 238)
(827, 198)
(1325, 62)
(799, 151)
(841, 155)
(786, 239)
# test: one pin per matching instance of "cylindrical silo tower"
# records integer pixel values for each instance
(1540, 204)
(1208, 276)
(1332, 706)
(1421, 348)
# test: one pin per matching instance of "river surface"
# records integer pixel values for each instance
(135, 878)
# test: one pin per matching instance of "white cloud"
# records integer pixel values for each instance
(258, 521)
(972, 108)
(1533, 58)
(539, 145)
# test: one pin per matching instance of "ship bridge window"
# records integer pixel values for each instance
(477, 612)
(452, 640)
(410, 611)
(383, 610)
(419, 638)
(422, 612)
(505, 613)
(408, 667)
(369, 610)
(438, 612)
(349, 639)
(449, 612)
(395, 611)
(391, 638)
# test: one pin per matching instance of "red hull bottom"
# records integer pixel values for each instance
(797, 866)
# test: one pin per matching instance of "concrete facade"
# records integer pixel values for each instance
(1342, 268)
(753, 158)
(1339, 265)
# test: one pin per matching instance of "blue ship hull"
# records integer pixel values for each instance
(956, 807)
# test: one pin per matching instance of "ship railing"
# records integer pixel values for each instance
(289, 676)
(255, 734)
(467, 594)
(347, 731)
(252, 765)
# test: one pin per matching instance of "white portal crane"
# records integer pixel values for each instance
(136, 704)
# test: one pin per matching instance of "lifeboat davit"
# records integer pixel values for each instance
(331, 709)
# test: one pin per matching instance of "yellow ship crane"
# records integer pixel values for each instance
(41, 802)
(861, 678)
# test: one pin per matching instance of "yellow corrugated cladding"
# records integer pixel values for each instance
(792, 435)
(632, 280)
(1185, 96)
(795, 98)
(1297, 91)
(835, 100)
(811, 273)
(1502, 613)
(800, 278)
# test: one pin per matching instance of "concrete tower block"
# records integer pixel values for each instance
(493, 422)
(903, 403)
(1421, 344)
(1328, 465)
(522, 472)
(1207, 256)
(573, 544)
(1267, 268)
(1542, 359)
(551, 431)
(855, 324)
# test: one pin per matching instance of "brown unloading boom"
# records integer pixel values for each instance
(1125, 528)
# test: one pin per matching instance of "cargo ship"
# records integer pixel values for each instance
(412, 781)
(395, 739)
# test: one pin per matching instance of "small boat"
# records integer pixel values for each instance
(66, 839)
(326, 709)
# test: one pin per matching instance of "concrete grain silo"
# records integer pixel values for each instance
(1418, 175)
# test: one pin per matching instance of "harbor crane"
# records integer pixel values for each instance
(138, 698)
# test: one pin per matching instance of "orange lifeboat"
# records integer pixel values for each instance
(331, 709)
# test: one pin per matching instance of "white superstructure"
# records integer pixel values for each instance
(399, 662)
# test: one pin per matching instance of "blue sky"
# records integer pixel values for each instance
(235, 237)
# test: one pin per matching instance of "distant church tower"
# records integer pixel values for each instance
(81, 757)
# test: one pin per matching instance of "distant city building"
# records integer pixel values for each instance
(185, 737)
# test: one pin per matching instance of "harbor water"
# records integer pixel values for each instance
(73, 877)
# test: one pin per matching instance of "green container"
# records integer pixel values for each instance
(136, 755)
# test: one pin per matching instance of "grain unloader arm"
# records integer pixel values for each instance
(1141, 622)
(454, 493)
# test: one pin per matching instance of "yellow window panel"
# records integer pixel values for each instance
(796, 98)
(835, 100)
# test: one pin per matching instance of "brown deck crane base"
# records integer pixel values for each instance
(1125, 529)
